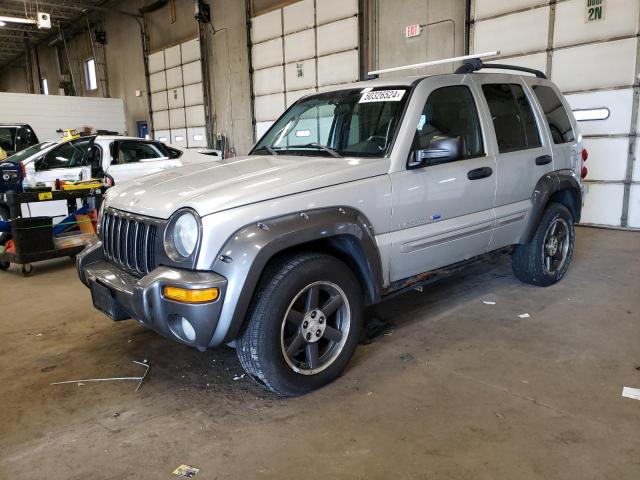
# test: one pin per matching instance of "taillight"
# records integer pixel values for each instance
(23, 171)
(584, 171)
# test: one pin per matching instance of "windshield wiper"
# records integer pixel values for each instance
(269, 149)
(330, 151)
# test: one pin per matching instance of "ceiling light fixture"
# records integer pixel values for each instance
(27, 21)
(43, 20)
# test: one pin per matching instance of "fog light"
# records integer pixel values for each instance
(184, 295)
(188, 330)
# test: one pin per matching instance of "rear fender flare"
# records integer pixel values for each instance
(547, 186)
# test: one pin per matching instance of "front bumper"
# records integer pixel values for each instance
(142, 299)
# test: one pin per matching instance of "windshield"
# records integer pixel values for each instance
(354, 122)
(8, 138)
(28, 152)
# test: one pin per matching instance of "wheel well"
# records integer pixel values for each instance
(570, 198)
(347, 249)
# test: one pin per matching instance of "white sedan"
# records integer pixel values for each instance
(123, 158)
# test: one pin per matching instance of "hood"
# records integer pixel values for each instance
(221, 185)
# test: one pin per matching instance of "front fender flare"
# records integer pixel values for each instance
(245, 254)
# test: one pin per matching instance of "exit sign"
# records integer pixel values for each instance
(411, 31)
(594, 10)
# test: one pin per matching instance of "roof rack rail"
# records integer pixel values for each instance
(464, 58)
(475, 64)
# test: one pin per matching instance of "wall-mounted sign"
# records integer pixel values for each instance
(594, 10)
(411, 31)
(300, 70)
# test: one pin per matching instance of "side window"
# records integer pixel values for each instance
(512, 117)
(68, 155)
(556, 114)
(132, 152)
(451, 112)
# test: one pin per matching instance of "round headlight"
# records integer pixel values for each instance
(185, 234)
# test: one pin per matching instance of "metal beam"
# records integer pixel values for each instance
(79, 8)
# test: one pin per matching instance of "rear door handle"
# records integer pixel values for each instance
(478, 173)
(543, 160)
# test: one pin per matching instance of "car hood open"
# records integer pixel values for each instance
(225, 184)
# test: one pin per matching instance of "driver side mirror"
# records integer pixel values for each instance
(441, 150)
(38, 165)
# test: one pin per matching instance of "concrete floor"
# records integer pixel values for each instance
(458, 389)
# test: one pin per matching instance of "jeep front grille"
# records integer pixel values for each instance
(129, 241)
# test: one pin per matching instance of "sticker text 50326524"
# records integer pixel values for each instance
(382, 96)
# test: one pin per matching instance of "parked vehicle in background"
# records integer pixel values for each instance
(16, 137)
(351, 196)
(124, 159)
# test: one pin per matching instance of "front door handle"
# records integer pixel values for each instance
(543, 160)
(478, 173)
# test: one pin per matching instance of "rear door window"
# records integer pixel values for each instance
(555, 113)
(513, 119)
(133, 152)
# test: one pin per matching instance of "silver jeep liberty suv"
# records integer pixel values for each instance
(352, 195)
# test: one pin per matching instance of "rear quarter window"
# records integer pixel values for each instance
(513, 119)
(555, 113)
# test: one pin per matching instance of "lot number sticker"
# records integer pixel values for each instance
(382, 96)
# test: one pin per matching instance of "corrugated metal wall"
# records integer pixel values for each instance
(299, 49)
(177, 102)
(47, 113)
(595, 63)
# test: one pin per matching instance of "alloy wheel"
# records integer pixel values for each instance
(315, 328)
(556, 246)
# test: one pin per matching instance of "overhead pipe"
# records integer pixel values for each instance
(145, 62)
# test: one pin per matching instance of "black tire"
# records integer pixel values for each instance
(4, 266)
(530, 262)
(262, 344)
(26, 270)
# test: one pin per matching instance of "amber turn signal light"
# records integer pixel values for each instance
(184, 295)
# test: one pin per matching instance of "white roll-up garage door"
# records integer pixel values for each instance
(177, 100)
(299, 49)
(590, 49)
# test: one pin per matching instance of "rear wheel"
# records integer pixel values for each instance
(545, 259)
(303, 326)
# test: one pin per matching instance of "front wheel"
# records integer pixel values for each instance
(303, 325)
(545, 259)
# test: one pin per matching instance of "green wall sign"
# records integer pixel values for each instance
(594, 10)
